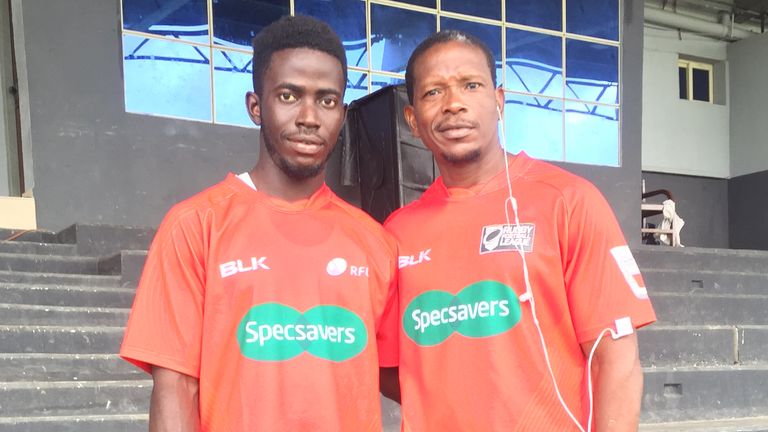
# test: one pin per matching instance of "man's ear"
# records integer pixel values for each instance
(500, 99)
(253, 105)
(410, 118)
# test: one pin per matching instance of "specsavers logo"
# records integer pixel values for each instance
(483, 309)
(276, 332)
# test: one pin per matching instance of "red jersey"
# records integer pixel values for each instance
(470, 355)
(283, 311)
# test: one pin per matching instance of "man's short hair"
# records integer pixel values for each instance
(294, 32)
(440, 37)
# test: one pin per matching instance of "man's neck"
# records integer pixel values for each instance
(469, 174)
(275, 183)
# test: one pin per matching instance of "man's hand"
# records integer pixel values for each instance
(617, 380)
(174, 404)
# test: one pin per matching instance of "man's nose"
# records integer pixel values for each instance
(454, 101)
(308, 115)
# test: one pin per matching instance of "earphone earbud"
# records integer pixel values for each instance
(498, 111)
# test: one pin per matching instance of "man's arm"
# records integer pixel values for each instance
(389, 383)
(174, 403)
(617, 383)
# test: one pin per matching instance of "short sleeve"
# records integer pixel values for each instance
(165, 323)
(387, 333)
(603, 281)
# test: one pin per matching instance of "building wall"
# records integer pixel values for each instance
(621, 185)
(749, 143)
(748, 210)
(681, 136)
(749, 117)
(96, 164)
(7, 114)
(93, 162)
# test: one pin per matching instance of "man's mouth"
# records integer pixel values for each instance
(306, 145)
(456, 130)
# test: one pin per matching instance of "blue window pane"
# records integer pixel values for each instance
(347, 19)
(236, 22)
(381, 81)
(534, 63)
(166, 78)
(232, 77)
(539, 13)
(489, 34)
(592, 72)
(591, 134)
(425, 3)
(485, 8)
(598, 18)
(534, 125)
(357, 86)
(182, 19)
(394, 34)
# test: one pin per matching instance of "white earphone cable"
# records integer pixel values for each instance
(528, 296)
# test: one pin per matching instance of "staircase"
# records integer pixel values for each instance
(65, 297)
(64, 301)
(706, 358)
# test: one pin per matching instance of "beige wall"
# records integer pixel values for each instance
(17, 213)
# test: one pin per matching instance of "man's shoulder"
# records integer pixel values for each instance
(198, 204)
(564, 182)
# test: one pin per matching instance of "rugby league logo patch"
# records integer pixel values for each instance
(507, 237)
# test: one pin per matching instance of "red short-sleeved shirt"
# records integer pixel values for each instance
(470, 356)
(284, 311)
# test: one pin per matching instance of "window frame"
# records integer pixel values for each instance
(371, 73)
(689, 66)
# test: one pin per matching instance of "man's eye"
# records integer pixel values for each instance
(287, 97)
(473, 85)
(432, 93)
(329, 102)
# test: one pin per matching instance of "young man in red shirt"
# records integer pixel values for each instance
(505, 259)
(267, 303)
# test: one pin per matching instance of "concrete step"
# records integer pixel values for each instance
(706, 345)
(706, 281)
(748, 424)
(128, 264)
(704, 393)
(55, 398)
(710, 309)
(66, 367)
(25, 247)
(691, 258)
(39, 236)
(105, 240)
(16, 314)
(62, 340)
(66, 295)
(77, 423)
(49, 263)
(60, 279)
(753, 344)
(688, 345)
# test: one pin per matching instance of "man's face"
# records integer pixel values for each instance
(300, 111)
(454, 103)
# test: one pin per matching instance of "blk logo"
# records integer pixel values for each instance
(410, 260)
(231, 268)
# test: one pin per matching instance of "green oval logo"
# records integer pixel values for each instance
(483, 309)
(276, 332)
